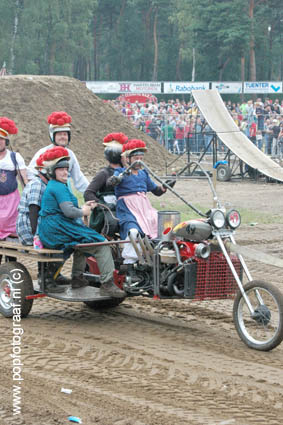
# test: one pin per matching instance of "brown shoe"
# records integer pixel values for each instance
(79, 281)
(109, 289)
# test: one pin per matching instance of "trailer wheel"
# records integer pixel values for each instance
(15, 285)
(223, 173)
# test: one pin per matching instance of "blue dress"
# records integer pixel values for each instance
(130, 184)
(56, 231)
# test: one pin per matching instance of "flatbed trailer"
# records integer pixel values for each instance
(18, 288)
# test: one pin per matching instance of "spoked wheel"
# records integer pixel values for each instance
(15, 285)
(264, 329)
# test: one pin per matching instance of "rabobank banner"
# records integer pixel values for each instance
(227, 87)
(263, 87)
(184, 87)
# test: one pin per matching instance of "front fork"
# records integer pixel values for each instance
(233, 270)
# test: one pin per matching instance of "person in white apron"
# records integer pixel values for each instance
(134, 210)
(12, 165)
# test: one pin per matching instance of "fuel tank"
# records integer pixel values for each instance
(193, 230)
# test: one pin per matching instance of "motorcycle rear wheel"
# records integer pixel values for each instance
(104, 304)
(264, 330)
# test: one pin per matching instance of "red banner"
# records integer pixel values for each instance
(140, 98)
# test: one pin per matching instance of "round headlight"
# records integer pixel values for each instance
(233, 219)
(217, 219)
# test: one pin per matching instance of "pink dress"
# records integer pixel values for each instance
(9, 194)
(145, 214)
(8, 213)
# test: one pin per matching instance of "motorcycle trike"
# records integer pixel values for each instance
(194, 260)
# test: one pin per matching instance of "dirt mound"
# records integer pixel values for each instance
(29, 99)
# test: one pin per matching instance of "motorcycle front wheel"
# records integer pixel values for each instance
(262, 330)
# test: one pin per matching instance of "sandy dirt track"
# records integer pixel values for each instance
(152, 362)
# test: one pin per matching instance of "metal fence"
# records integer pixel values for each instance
(186, 133)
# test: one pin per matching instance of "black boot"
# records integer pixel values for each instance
(79, 281)
(109, 289)
(62, 280)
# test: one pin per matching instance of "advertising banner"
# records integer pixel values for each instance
(139, 98)
(184, 87)
(103, 86)
(263, 87)
(124, 87)
(227, 87)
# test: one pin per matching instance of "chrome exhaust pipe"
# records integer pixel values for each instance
(144, 250)
(136, 248)
(202, 251)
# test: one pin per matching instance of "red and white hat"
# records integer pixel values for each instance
(134, 147)
(59, 121)
(113, 144)
(115, 140)
(56, 157)
(7, 127)
(52, 156)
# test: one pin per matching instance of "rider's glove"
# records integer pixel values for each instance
(170, 183)
(114, 180)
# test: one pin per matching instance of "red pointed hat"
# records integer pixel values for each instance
(115, 140)
(52, 156)
(132, 146)
(7, 127)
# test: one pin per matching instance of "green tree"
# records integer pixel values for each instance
(143, 39)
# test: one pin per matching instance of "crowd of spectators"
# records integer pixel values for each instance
(180, 127)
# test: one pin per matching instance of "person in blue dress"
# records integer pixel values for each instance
(61, 226)
(134, 210)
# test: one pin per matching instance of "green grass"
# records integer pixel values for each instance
(247, 216)
(251, 216)
(80, 197)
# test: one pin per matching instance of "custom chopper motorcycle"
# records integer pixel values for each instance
(197, 259)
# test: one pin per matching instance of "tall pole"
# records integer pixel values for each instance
(194, 65)
(270, 53)
(281, 55)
